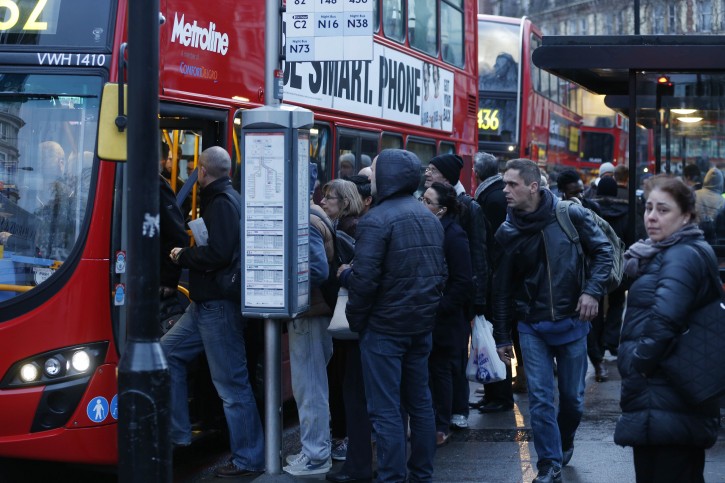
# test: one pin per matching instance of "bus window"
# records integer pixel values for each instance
(423, 26)
(393, 20)
(392, 141)
(499, 54)
(48, 159)
(446, 148)
(354, 150)
(425, 150)
(452, 31)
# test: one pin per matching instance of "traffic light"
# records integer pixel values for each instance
(665, 87)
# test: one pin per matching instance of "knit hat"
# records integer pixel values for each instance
(607, 187)
(449, 165)
(606, 168)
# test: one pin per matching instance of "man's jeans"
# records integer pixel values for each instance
(395, 371)
(310, 349)
(552, 431)
(216, 327)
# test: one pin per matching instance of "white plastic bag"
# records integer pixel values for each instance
(484, 364)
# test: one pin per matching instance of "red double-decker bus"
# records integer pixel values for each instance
(523, 111)
(62, 258)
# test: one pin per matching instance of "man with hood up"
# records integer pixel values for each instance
(394, 284)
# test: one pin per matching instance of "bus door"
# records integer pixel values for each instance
(189, 130)
(363, 145)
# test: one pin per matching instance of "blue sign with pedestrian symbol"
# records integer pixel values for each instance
(114, 407)
(97, 409)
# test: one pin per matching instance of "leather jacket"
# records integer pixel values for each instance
(541, 277)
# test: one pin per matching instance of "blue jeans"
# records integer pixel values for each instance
(310, 349)
(395, 372)
(553, 427)
(216, 327)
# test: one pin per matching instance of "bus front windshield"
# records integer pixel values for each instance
(499, 54)
(48, 129)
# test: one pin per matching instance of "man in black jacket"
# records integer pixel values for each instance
(540, 282)
(395, 284)
(214, 325)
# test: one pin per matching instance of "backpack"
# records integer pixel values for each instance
(229, 278)
(344, 246)
(616, 274)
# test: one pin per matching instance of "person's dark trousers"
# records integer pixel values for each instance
(595, 338)
(461, 389)
(669, 464)
(335, 380)
(613, 319)
(395, 371)
(500, 392)
(443, 364)
(359, 461)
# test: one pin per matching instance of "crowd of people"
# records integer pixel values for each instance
(422, 269)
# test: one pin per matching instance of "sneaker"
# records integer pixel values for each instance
(459, 421)
(305, 466)
(295, 459)
(549, 474)
(339, 450)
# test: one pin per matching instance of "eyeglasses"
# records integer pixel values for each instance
(427, 201)
(328, 197)
(431, 169)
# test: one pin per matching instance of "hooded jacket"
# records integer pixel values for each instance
(399, 270)
(709, 199)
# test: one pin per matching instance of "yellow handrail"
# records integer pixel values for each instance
(15, 288)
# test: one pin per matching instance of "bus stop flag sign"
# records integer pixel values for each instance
(320, 30)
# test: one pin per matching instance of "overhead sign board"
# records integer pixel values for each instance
(321, 30)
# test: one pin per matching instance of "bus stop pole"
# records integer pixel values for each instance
(144, 448)
(272, 328)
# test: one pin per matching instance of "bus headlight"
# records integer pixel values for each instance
(55, 366)
(52, 366)
(29, 372)
(80, 361)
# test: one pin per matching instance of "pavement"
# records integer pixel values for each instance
(498, 448)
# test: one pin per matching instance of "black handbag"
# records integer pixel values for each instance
(696, 363)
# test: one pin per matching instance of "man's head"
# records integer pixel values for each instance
(214, 163)
(570, 185)
(621, 175)
(521, 178)
(165, 155)
(52, 159)
(444, 168)
(485, 165)
(364, 189)
(691, 174)
(606, 169)
(607, 187)
(346, 165)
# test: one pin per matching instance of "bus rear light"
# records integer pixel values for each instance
(55, 366)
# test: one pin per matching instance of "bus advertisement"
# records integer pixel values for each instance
(62, 253)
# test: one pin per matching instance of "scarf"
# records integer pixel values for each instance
(641, 253)
(537, 219)
(486, 183)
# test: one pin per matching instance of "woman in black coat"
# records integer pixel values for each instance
(451, 331)
(672, 279)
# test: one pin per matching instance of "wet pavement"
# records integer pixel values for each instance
(498, 448)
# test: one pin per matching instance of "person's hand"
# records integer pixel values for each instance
(174, 254)
(4, 235)
(505, 353)
(342, 268)
(588, 307)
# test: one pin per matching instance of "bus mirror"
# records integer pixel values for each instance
(111, 138)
